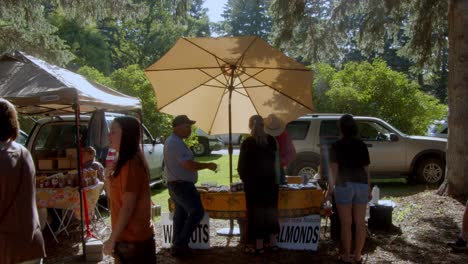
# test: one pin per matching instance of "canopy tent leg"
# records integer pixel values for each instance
(76, 106)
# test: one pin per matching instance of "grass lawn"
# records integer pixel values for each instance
(160, 195)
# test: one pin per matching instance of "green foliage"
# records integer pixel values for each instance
(24, 25)
(95, 75)
(85, 41)
(132, 81)
(18, 32)
(246, 18)
(410, 35)
(374, 89)
(198, 23)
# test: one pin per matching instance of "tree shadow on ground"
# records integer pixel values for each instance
(413, 247)
(444, 228)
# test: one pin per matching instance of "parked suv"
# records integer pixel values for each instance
(52, 136)
(392, 153)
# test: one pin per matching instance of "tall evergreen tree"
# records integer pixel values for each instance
(426, 23)
(246, 17)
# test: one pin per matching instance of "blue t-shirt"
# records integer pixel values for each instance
(176, 152)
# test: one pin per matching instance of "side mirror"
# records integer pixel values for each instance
(393, 137)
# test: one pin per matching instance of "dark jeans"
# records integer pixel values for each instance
(188, 211)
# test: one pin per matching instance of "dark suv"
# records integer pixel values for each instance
(392, 152)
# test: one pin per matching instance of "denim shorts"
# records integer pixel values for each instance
(352, 193)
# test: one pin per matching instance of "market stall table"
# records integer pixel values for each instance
(231, 205)
(67, 199)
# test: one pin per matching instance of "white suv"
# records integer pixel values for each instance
(392, 153)
(51, 136)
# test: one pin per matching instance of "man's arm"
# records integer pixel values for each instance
(196, 166)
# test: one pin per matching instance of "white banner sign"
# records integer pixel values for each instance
(200, 237)
(300, 233)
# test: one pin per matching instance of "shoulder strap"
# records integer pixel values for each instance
(3, 214)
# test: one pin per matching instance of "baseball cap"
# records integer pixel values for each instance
(181, 120)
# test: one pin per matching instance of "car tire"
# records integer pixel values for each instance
(430, 171)
(202, 148)
(305, 168)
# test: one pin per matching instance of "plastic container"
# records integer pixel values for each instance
(328, 208)
(111, 159)
(375, 194)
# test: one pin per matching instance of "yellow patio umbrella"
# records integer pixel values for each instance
(221, 82)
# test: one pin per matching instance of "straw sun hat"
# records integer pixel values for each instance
(273, 125)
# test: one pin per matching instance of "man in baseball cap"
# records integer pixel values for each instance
(182, 174)
(182, 120)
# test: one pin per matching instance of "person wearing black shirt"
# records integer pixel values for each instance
(256, 169)
(349, 182)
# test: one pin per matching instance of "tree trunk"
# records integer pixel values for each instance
(456, 180)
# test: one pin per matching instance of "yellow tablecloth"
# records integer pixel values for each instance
(68, 198)
(231, 205)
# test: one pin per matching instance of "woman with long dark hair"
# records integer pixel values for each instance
(349, 181)
(256, 169)
(20, 233)
(132, 237)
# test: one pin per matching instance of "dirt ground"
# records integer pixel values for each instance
(423, 223)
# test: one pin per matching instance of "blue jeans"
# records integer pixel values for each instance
(188, 211)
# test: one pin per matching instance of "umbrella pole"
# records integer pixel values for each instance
(231, 231)
(230, 135)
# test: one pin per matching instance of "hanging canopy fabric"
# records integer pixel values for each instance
(37, 87)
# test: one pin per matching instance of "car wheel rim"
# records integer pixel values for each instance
(198, 149)
(307, 172)
(432, 173)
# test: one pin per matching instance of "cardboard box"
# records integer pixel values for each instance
(93, 246)
(71, 153)
(46, 164)
(63, 163)
(73, 163)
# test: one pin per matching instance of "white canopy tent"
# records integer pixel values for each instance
(37, 87)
